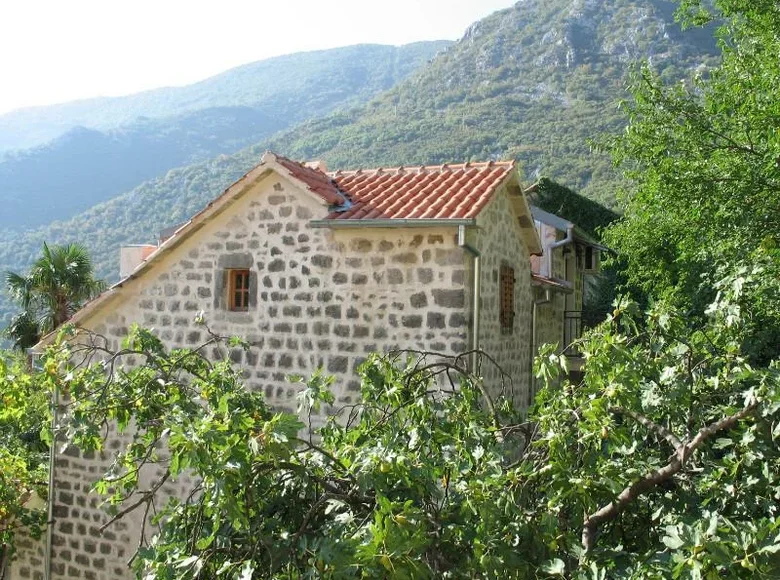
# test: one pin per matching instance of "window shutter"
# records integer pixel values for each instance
(507, 298)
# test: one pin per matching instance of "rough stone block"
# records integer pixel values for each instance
(395, 276)
(405, 258)
(436, 320)
(457, 320)
(292, 311)
(338, 364)
(419, 300)
(277, 265)
(451, 257)
(322, 261)
(412, 321)
(449, 298)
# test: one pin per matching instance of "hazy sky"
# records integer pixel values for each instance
(59, 50)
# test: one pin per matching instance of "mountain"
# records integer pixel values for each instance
(84, 166)
(531, 82)
(87, 165)
(289, 87)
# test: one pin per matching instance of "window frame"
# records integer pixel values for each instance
(591, 266)
(238, 296)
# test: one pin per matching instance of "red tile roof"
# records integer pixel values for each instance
(427, 192)
(317, 181)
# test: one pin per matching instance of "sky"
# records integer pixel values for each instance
(53, 51)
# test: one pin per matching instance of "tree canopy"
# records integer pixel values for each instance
(663, 462)
(704, 157)
(58, 283)
(24, 452)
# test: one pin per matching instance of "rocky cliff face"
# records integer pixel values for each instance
(538, 36)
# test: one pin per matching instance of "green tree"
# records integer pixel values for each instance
(704, 157)
(58, 283)
(662, 463)
(664, 460)
(24, 451)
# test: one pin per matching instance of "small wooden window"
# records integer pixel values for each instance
(507, 298)
(591, 259)
(238, 289)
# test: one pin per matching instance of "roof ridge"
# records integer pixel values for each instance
(423, 168)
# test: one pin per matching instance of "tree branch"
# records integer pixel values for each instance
(676, 463)
(146, 496)
(670, 437)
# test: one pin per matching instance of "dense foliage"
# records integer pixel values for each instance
(589, 215)
(24, 452)
(705, 162)
(662, 463)
(60, 281)
(113, 145)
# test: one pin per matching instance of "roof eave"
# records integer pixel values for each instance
(554, 284)
(392, 223)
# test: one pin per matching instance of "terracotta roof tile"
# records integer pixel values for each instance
(427, 192)
(317, 181)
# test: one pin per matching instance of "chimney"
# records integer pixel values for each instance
(130, 257)
(318, 164)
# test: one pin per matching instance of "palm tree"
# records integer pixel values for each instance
(58, 283)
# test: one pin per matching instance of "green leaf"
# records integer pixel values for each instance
(554, 567)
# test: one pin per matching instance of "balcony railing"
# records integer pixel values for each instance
(572, 330)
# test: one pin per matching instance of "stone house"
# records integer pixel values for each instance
(320, 269)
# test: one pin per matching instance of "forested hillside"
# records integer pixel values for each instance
(291, 87)
(533, 82)
(86, 166)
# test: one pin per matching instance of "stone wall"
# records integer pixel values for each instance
(549, 319)
(499, 240)
(319, 297)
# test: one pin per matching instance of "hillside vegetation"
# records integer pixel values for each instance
(89, 165)
(291, 86)
(533, 82)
